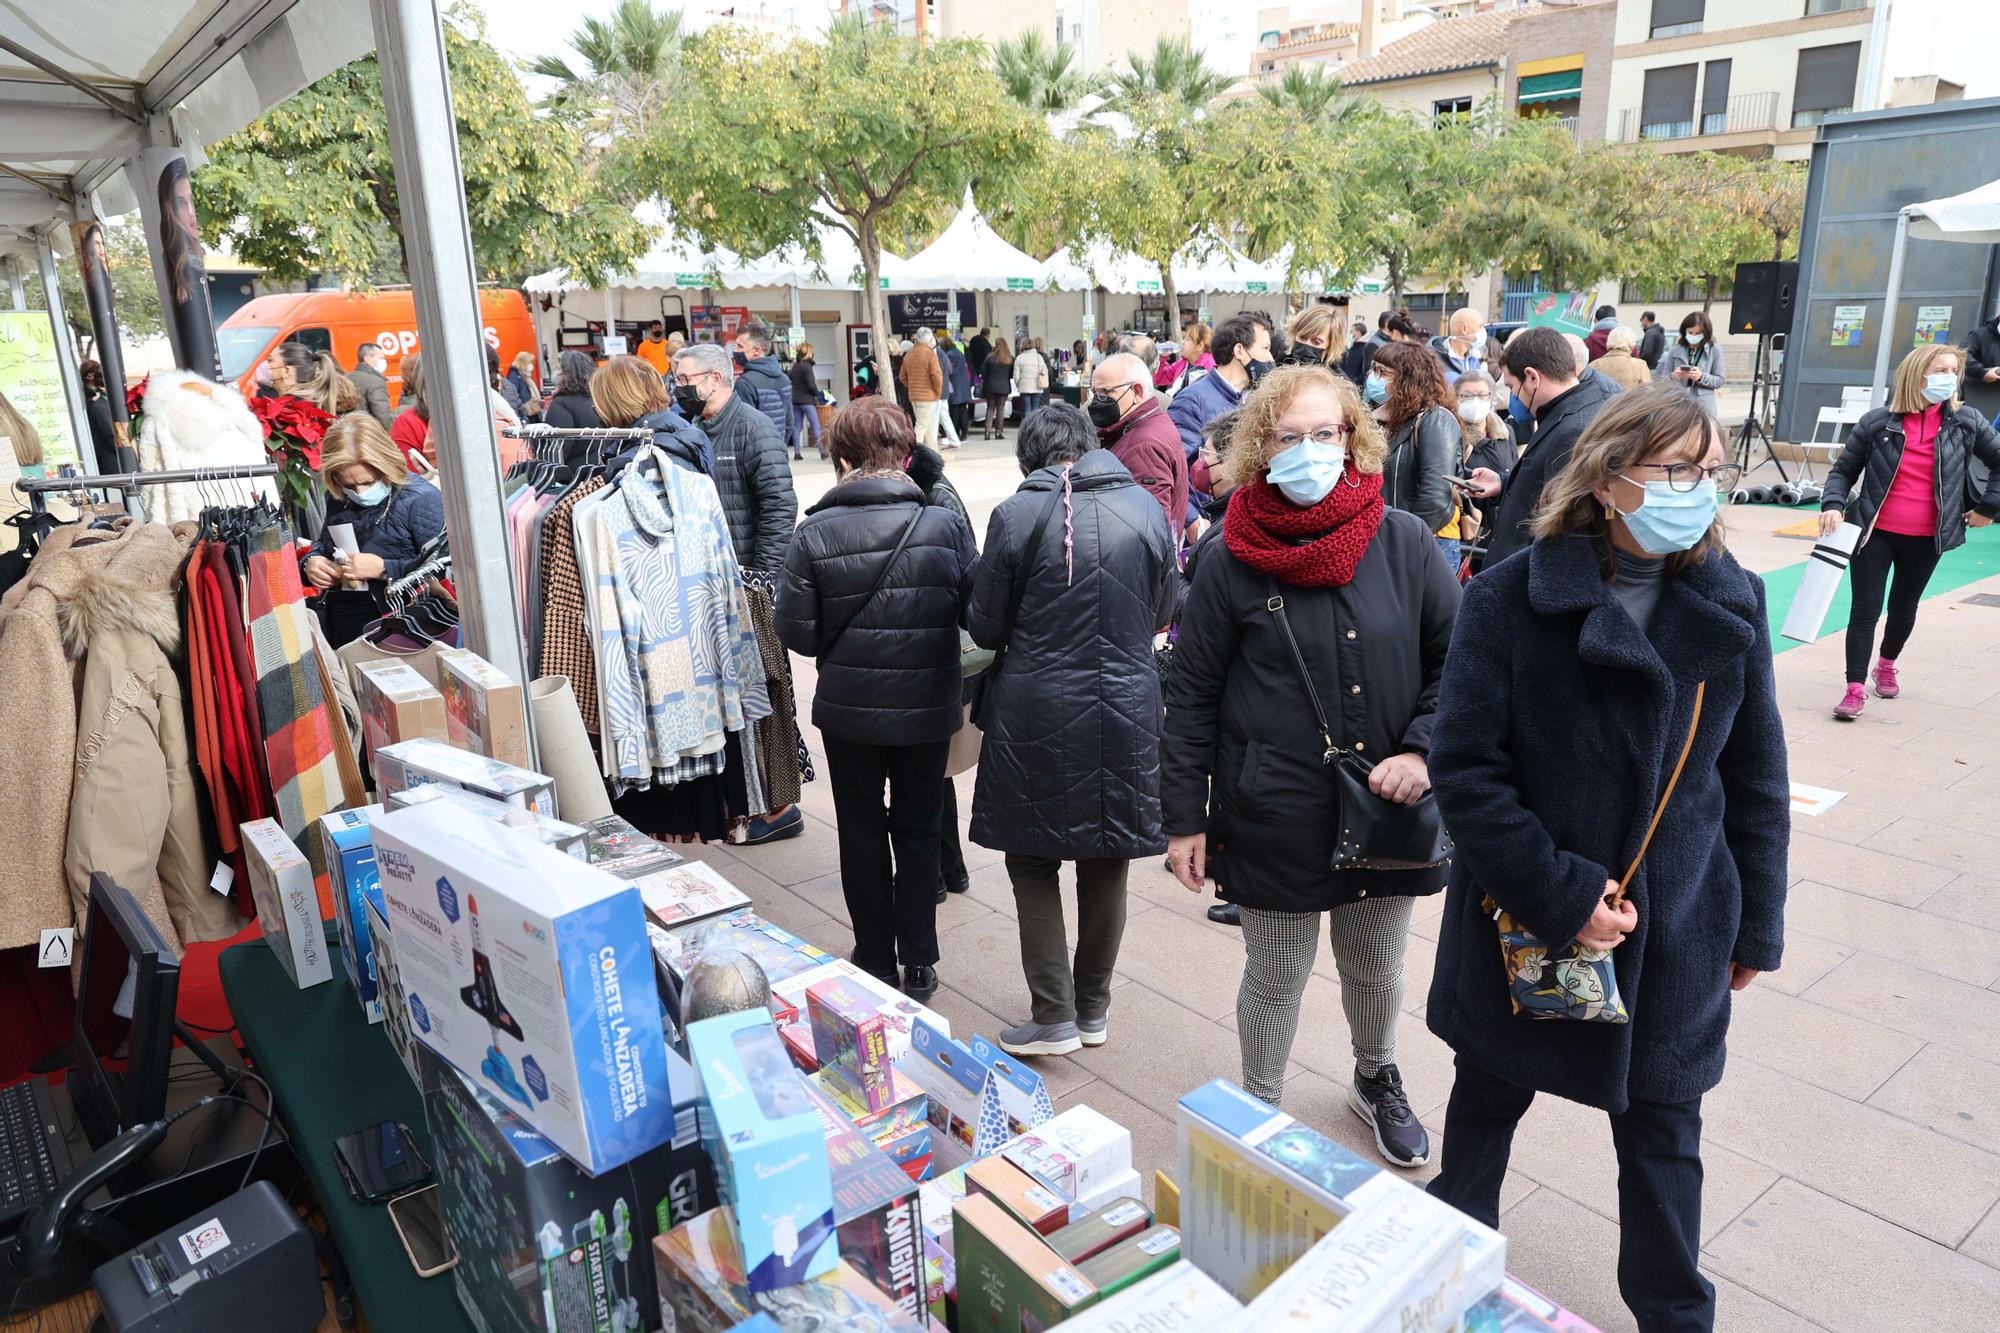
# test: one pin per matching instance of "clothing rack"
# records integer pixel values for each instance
(577, 432)
(36, 488)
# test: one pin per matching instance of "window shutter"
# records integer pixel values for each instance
(1826, 77)
(1669, 96)
(1667, 13)
(1715, 89)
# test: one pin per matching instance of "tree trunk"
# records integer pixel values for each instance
(1172, 296)
(1395, 280)
(1707, 293)
(874, 304)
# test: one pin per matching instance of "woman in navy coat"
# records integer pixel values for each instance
(1568, 695)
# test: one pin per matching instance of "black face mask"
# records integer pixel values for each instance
(1259, 369)
(1103, 411)
(1305, 354)
(687, 397)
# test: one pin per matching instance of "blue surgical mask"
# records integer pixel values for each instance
(1307, 471)
(1518, 409)
(1693, 337)
(370, 495)
(1668, 520)
(1375, 390)
(1940, 385)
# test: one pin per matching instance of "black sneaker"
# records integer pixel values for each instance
(920, 983)
(1379, 1100)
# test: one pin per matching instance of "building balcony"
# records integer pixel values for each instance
(1750, 120)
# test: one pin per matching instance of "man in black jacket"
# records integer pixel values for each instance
(371, 381)
(752, 474)
(1652, 341)
(762, 382)
(1541, 371)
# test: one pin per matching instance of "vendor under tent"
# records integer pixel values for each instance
(1971, 218)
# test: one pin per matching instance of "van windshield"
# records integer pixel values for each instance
(241, 346)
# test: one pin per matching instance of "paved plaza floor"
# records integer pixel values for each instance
(1852, 1150)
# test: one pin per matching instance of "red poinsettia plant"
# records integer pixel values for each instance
(135, 405)
(293, 430)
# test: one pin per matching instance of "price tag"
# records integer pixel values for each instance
(223, 879)
(58, 943)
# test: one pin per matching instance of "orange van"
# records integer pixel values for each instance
(339, 322)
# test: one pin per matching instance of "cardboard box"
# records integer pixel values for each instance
(799, 1045)
(911, 1150)
(348, 853)
(413, 763)
(1132, 1260)
(1314, 1175)
(1100, 1229)
(389, 987)
(691, 891)
(1031, 1203)
(1180, 1299)
(1076, 1154)
(905, 1110)
(769, 1149)
(875, 1211)
(973, 1110)
(1125, 1185)
(779, 952)
(542, 1245)
(484, 707)
(397, 704)
(899, 1012)
(1008, 1279)
(700, 1280)
(1391, 1267)
(281, 883)
(1166, 1199)
(851, 1042)
(1518, 1308)
(529, 972)
(569, 839)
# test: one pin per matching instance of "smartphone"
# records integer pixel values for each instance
(380, 1162)
(1461, 484)
(422, 1232)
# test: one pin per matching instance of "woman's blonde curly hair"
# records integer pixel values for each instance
(1255, 440)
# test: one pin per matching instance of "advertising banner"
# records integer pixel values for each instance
(166, 201)
(31, 382)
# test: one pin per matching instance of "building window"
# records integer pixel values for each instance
(1451, 107)
(1833, 6)
(1825, 85)
(1666, 107)
(1673, 18)
(1715, 97)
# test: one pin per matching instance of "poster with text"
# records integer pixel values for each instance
(1849, 323)
(1565, 312)
(33, 384)
(1933, 326)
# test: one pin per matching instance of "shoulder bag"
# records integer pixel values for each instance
(1575, 981)
(983, 683)
(881, 576)
(1375, 834)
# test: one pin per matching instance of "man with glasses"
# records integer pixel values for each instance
(1133, 425)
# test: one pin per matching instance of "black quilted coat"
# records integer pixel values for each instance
(892, 677)
(1070, 765)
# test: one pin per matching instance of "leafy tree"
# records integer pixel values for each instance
(1283, 185)
(1414, 189)
(310, 188)
(872, 132)
(1772, 195)
(1174, 73)
(1044, 77)
(628, 61)
(1313, 95)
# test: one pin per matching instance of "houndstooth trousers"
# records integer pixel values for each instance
(1368, 941)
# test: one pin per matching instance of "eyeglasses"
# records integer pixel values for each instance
(1684, 477)
(1324, 435)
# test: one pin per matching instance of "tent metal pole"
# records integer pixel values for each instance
(79, 414)
(1884, 343)
(416, 95)
(17, 292)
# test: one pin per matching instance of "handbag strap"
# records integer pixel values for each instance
(1275, 604)
(881, 576)
(1661, 809)
(1017, 589)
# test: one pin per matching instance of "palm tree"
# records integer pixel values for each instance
(1174, 71)
(627, 58)
(1050, 79)
(1312, 94)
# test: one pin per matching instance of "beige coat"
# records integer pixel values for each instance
(135, 811)
(1623, 369)
(921, 374)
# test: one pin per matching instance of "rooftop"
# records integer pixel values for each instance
(1474, 41)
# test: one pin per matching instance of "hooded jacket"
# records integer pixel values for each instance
(1070, 763)
(1147, 443)
(753, 475)
(1558, 425)
(1031, 372)
(763, 384)
(927, 470)
(1860, 480)
(1599, 333)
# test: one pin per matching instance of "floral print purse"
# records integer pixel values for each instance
(1576, 981)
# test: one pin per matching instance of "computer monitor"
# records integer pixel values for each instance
(124, 1015)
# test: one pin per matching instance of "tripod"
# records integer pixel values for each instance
(1753, 423)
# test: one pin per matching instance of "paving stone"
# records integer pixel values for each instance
(1165, 1049)
(1740, 1310)
(1909, 1175)
(809, 855)
(1949, 1092)
(1825, 1047)
(1862, 870)
(1845, 1269)
(1560, 1247)
(1850, 822)
(1984, 1242)
(1939, 1010)
(1807, 959)
(1955, 848)
(1963, 952)
(783, 908)
(1182, 960)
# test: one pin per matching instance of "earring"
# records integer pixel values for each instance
(1610, 511)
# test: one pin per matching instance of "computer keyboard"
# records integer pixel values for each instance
(28, 1172)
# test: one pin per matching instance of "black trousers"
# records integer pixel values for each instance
(951, 854)
(1914, 559)
(961, 417)
(889, 852)
(1659, 1191)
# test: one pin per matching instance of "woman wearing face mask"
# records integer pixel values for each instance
(1626, 645)
(1246, 790)
(1315, 333)
(1694, 362)
(1904, 477)
(1406, 389)
(395, 516)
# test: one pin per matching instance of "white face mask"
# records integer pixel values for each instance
(1473, 410)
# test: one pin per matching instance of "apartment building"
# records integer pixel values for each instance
(1559, 65)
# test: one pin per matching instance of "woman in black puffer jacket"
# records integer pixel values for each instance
(874, 589)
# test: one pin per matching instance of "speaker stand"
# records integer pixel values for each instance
(1753, 422)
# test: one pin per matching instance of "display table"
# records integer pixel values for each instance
(334, 1073)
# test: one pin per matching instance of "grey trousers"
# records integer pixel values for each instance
(1061, 991)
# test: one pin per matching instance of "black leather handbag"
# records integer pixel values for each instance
(1375, 834)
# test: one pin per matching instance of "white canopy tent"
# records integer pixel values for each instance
(969, 257)
(677, 263)
(1224, 269)
(1972, 218)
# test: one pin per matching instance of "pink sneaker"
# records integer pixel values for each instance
(1886, 686)
(1851, 705)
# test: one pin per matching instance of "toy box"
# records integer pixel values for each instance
(569, 839)
(542, 1245)
(1390, 1267)
(911, 1150)
(799, 1045)
(1179, 1299)
(700, 1279)
(529, 973)
(1075, 1154)
(875, 1210)
(690, 891)
(389, 985)
(483, 707)
(1100, 1229)
(348, 853)
(1518, 1308)
(1124, 1185)
(1118, 1266)
(769, 1149)
(1166, 1199)
(1315, 1175)
(898, 1011)
(975, 1104)
(1024, 1100)
(281, 883)
(1008, 1279)
(905, 1105)
(1031, 1203)
(779, 952)
(851, 1042)
(397, 704)
(416, 762)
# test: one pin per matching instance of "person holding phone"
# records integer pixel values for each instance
(1905, 478)
(1694, 362)
(394, 515)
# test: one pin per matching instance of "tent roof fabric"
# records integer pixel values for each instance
(970, 257)
(1972, 217)
(677, 263)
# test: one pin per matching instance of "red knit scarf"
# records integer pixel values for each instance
(1312, 548)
